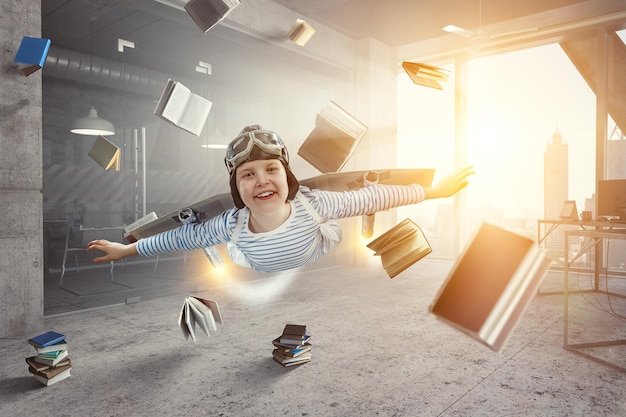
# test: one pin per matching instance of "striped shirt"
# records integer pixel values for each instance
(298, 241)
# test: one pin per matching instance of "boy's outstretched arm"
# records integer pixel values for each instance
(113, 250)
(450, 185)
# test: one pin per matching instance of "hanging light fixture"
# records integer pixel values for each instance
(92, 125)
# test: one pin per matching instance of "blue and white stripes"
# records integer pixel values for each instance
(296, 242)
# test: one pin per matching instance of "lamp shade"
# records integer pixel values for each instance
(92, 125)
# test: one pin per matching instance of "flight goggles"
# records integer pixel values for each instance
(239, 149)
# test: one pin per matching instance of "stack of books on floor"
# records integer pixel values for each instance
(293, 347)
(52, 363)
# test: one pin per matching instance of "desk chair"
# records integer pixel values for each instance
(84, 236)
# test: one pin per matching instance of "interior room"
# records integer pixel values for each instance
(530, 94)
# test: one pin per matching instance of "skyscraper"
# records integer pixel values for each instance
(555, 176)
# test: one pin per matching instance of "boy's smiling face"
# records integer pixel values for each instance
(262, 185)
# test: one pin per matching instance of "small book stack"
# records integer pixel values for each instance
(293, 347)
(52, 363)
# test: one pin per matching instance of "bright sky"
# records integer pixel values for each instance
(516, 102)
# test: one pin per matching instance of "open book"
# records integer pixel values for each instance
(205, 313)
(491, 284)
(426, 75)
(400, 247)
(333, 140)
(208, 13)
(150, 217)
(187, 110)
(105, 153)
(32, 52)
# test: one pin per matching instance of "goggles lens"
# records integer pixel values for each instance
(239, 149)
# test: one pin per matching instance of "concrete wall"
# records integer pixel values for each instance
(21, 259)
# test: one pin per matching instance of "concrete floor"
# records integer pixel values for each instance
(376, 352)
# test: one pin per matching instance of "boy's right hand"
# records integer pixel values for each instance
(113, 250)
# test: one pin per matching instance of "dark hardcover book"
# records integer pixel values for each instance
(292, 361)
(491, 284)
(41, 367)
(333, 140)
(296, 331)
(33, 53)
(50, 372)
(208, 13)
(105, 153)
(292, 353)
(46, 339)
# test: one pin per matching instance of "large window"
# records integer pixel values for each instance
(516, 104)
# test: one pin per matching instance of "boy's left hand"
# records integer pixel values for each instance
(450, 184)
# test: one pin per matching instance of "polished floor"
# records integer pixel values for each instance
(376, 349)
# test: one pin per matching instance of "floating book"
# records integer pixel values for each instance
(106, 153)
(33, 53)
(491, 284)
(150, 217)
(300, 32)
(333, 140)
(204, 313)
(187, 110)
(426, 75)
(208, 13)
(400, 247)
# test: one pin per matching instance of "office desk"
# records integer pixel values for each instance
(554, 224)
(546, 227)
(592, 238)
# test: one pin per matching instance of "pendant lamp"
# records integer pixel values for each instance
(92, 125)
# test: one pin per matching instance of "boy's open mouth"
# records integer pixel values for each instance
(265, 195)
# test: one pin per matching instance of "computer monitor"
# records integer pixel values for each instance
(611, 197)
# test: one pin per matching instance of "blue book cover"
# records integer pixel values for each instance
(47, 339)
(33, 51)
